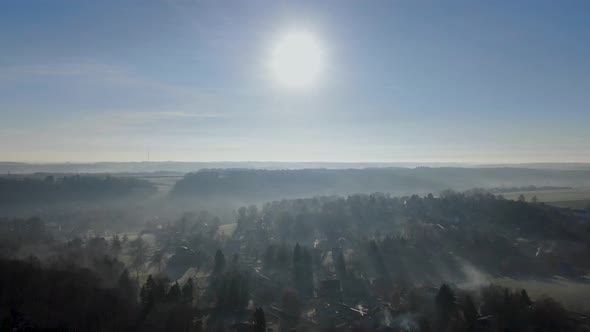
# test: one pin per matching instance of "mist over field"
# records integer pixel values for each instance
(172, 167)
(165, 193)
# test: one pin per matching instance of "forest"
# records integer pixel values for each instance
(238, 184)
(50, 189)
(362, 262)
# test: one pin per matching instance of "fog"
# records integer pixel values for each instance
(309, 249)
(294, 166)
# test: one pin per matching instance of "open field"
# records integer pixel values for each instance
(578, 198)
(227, 229)
(164, 183)
(574, 295)
(579, 204)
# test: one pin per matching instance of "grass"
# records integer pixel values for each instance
(573, 294)
(227, 230)
(577, 198)
(164, 183)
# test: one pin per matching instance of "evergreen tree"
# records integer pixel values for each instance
(233, 291)
(268, 258)
(153, 291)
(187, 291)
(160, 289)
(307, 264)
(507, 296)
(377, 260)
(219, 262)
(146, 294)
(138, 251)
(470, 313)
(116, 245)
(174, 294)
(156, 260)
(525, 300)
(127, 286)
(445, 306)
(259, 320)
(298, 268)
(339, 263)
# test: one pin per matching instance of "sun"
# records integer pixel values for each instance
(296, 60)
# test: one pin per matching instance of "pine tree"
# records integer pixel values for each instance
(339, 263)
(268, 258)
(127, 286)
(116, 245)
(525, 300)
(233, 291)
(259, 320)
(377, 259)
(146, 294)
(307, 264)
(298, 268)
(445, 306)
(174, 293)
(187, 291)
(470, 313)
(219, 262)
(156, 260)
(507, 296)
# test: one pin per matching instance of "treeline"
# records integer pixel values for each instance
(250, 185)
(35, 298)
(39, 299)
(427, 238)
(19, 232)
(303, 265)
(524, 188)
(67, 189)
(83, 285)
(493, 308)
(334, 217)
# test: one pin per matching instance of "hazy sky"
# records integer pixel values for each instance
(465, 81)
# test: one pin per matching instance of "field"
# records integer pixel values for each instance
(164, 183)
(577, 198)
(227, 230)
(573, 294)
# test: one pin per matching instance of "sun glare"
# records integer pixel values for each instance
(296, 59)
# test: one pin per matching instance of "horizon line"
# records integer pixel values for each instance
(292, 162)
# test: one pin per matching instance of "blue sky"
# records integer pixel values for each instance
(427, 81)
